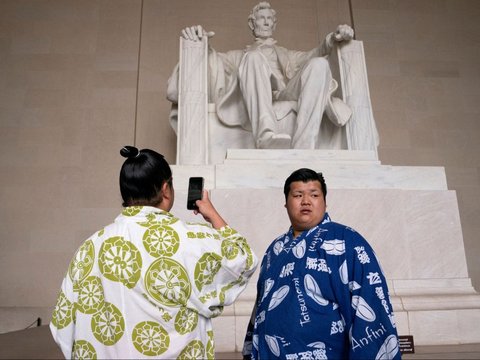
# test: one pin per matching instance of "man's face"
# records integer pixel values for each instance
(264, 23)
(305, 205)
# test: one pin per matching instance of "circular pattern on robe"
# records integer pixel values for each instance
(206, 269)
(90, 295)
(131, 210)
(63, 313)
(161, 240)
(194, 350)
(82, 349)
(120, 261)
(108, 324)
(167, 282)
(227, 231)
(82, 263)
(229, 249)
(150, 339)
(186, 321)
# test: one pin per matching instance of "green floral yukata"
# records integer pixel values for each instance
(147, 286)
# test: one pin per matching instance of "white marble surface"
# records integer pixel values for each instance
(342, 170)
(360, 176)
(445, 326)
(406, 213)
(204, 139)
(192, 127)
(261, 155)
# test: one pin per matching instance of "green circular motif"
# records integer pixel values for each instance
(248, 251)
(206, 269)
(63, 312)
(131, 210)
(210, 346)
(227, 231)
(229, 249)
(167, 282)
(186, 321)
(108, 325)
(194, 350)
(120, 261)
(82, 349)
(82, 264)
(150, 339)
(90, 295)
(161, 240)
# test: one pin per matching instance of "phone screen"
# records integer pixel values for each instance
(195, 189)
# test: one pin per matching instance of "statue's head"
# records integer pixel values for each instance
(262, 20)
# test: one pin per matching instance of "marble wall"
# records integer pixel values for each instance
(422, 60)
(79, 79)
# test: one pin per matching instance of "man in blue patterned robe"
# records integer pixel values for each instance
(321, 292)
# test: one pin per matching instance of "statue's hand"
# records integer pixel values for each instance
(343, 32)
(196, 33)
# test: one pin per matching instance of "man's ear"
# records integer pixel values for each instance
(166, 191)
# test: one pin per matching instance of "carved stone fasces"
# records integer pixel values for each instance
(192, 134)
(360, 130)
(203, 139)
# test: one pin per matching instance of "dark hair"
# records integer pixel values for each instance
(260, 6)
(305, 175)
(142, 176)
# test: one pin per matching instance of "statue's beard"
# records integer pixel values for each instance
(263, 33)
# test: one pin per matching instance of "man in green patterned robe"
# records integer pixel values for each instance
(148, 284)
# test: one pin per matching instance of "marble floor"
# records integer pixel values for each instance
(37, 343)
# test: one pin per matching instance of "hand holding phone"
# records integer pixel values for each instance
(195, 190)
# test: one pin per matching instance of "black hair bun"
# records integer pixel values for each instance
(129, 151)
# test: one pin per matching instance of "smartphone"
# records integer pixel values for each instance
(195, 190)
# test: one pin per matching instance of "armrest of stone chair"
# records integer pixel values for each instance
(349, 69)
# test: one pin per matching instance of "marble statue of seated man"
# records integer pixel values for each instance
(245, 84)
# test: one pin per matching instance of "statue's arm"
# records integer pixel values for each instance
(342, 33)
(195, 33)
(192, 33)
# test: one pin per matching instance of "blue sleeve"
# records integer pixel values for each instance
(248, 341)
(373, 333)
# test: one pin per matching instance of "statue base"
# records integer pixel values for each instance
(406, 213)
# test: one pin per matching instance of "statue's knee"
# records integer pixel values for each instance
(319, 63)
(316, 68)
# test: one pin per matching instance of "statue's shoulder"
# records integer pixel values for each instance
(232, 56)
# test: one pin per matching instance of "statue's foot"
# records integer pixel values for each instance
(276, 141)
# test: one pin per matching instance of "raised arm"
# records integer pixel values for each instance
(195, 33)
(208, 211)
(342, 33)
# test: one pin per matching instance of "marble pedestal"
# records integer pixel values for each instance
(406, 213)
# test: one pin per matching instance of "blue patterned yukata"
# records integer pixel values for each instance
(322, 296)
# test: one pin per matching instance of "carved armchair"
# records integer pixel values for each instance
(202, 139)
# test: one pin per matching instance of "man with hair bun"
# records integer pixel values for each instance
(148, 284)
